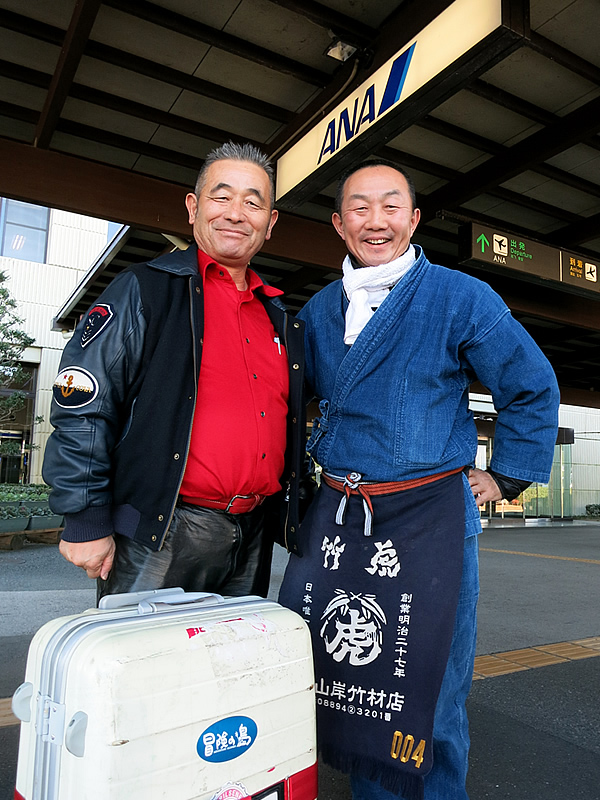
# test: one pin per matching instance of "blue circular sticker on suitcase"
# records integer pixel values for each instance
(227, 739)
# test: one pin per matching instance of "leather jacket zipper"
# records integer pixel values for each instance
(187, 450)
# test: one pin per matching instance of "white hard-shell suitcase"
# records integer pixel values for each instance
(169, 695)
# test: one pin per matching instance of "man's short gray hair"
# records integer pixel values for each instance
(230, 151)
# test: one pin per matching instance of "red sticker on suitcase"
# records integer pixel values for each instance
(195, 631)
(232, 791)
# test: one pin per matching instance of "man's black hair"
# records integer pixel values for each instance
(374, 162)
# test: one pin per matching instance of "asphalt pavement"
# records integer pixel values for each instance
(535, 732)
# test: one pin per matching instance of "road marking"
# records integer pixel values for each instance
(540, 555)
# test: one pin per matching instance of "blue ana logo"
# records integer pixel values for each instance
(227, 739)
(364, 112)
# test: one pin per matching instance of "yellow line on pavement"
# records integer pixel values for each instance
(531, 657)
(540, 555)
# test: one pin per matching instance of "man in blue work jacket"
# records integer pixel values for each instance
(388, 582)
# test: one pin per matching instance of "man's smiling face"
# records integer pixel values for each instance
(232, 214)
(377, 219)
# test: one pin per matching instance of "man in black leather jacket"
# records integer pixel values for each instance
(173, 404)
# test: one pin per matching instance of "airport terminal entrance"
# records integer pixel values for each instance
(538, 501)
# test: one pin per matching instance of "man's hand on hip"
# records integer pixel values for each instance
(95, 557)
(483, 486)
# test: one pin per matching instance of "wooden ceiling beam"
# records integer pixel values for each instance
(181, 80)
(439, 171)
(120, 104)
(519, 106)
(31, 27)
(462, 135)
(58, 180)
(571, 61)
(578, 233)
(357, 32)
(504, 99)
(494, 148)
(589, 398)
(143, 66)
(13, 111)
(31, 77)
(216, 135)
(156, 115)
(78, 32)
(179, 23)
(136, 146)
(536, 148)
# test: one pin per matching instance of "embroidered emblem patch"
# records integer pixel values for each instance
(74, 387)
(97, 320)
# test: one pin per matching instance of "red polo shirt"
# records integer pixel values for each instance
(239, 429)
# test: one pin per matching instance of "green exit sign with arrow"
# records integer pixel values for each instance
(481, 245)
(502, 251)
(482, 240)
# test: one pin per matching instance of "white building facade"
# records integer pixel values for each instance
(584, 455)
(44, 253)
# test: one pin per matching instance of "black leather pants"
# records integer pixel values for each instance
(205, 550)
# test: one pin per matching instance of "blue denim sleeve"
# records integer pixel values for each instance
(525, 393)
(472, 515)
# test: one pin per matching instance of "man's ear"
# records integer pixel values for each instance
(191, 203)
(273, 220)
(337, 224)
(416, 216)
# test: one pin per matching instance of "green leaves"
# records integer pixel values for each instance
(13, 376)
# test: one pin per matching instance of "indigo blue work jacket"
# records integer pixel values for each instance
(394, 405)
(122, 424)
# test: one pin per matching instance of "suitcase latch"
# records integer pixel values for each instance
(52, 721)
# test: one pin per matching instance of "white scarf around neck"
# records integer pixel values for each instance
(366, 287)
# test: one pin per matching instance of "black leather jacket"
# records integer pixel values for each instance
(124, 405)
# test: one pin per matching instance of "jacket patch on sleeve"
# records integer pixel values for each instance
(97, 320)
(74, 387)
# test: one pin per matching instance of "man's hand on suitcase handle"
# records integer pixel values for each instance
(95, 557)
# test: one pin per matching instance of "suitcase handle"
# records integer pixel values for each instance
(173, 596)
(166, 601)
(110, 601)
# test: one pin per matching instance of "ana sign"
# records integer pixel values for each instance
(340, 129)
(439, 45)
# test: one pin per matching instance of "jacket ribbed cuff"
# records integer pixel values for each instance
(92, 523)
(511, 488)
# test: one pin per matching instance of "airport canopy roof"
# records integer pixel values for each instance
(109, 108)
